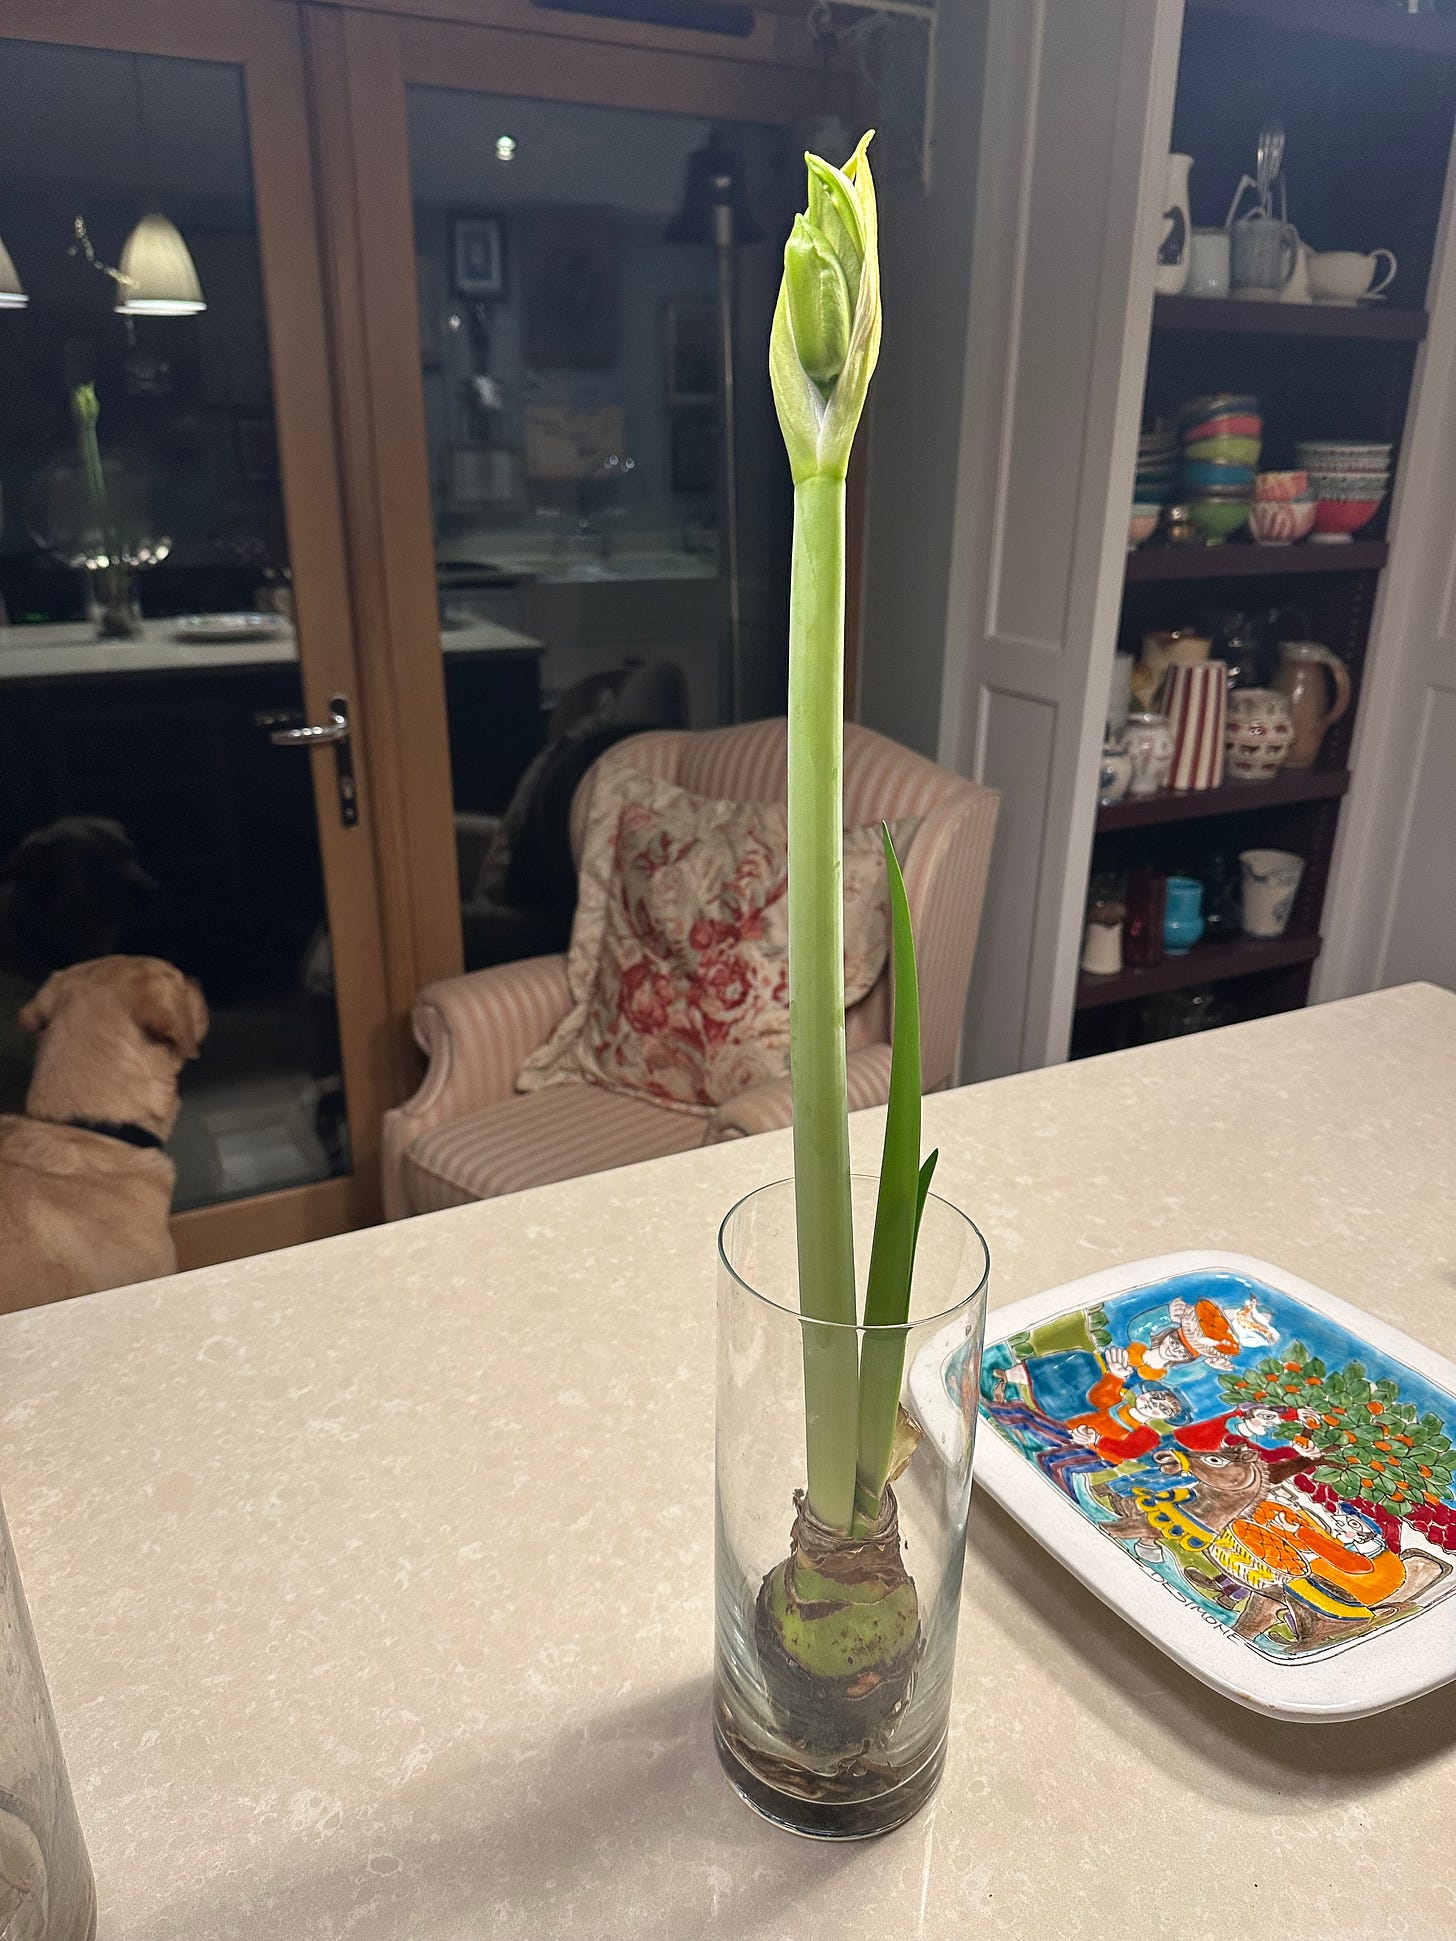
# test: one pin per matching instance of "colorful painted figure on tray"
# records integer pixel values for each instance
(1245, 1451)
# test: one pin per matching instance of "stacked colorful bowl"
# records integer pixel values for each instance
(1221, 437)
(1283, 508)
(1349, 480)
(1157, 465)
(1157, 472)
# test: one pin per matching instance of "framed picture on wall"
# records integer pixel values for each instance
(692, 351)
(478, 255)
(571, 290)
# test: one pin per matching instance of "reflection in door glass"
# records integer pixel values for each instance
(611, 539)
(147, 616)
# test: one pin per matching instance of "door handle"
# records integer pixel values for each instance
(322, 734)
(286, 730)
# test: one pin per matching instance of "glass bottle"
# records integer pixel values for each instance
(46, 1889)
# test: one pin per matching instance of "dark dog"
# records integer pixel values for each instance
(67, 893)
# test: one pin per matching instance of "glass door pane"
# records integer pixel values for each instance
(606, 559)
(147, 644)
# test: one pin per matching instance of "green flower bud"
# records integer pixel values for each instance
(834, 212)
(826, 328)
(820, 306)
(85, 406)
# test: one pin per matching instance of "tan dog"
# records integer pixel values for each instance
(85, 1186)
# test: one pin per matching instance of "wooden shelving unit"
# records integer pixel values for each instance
(1237, 560)
(1289, 786)
(1204, 964)
(1288, 319)
(1367, 94)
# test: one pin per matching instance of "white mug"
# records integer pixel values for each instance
(1208, 264)
(1271, 882)
(1344, 275)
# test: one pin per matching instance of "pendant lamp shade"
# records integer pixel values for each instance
(12, 290)
(714, 180)
(158, 276)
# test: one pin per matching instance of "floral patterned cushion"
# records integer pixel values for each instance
(679, 953)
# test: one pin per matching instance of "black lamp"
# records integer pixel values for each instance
(715, 209)
(713, 189)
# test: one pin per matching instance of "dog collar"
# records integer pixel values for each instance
(126, 1130)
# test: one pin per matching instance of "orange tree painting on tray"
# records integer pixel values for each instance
(1272, 1469)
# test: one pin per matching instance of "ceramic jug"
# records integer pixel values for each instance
(1114, 774)
(1149, 741)
(1258, 736)
(1306, 671)
(1171, 276)
(1271, 882)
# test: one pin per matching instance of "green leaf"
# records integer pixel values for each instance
(927, 1174)
(903, 1186)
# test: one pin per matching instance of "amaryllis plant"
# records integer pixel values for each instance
(840, 1609)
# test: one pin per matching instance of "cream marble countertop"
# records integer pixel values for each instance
(48, 651)
(346, 1638)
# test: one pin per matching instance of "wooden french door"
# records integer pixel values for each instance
(397, 96)
(248, 859)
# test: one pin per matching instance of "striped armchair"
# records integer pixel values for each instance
(468, 1135)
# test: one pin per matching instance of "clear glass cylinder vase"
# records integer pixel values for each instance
(834, 1654)
(46, 1891)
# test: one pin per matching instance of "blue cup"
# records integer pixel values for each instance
(1182, 915)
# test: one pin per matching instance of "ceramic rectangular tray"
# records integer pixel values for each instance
(1253, 1473)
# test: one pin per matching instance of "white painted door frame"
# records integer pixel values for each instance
(1078, 110)
(1391, 911)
